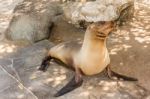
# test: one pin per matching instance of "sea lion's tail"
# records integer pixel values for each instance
(45, 63)
(126, 78)
(112, 74)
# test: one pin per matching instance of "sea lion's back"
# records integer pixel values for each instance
(66, 51)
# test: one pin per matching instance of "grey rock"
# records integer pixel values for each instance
(99, 10)
(44, 85)
(32, 49)
(4, 62)
(10, 88)
(7, 64)
(32, 20)
(28, 56)
(31, 55)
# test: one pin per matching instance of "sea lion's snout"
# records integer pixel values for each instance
(110, 26)
(102, 29)
(107, 26)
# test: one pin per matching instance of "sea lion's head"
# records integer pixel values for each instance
(102, 29)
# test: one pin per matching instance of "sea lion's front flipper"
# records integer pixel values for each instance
(112, 74)
(73, 84)
(45, 63)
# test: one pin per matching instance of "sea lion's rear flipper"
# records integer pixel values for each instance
(45, 63)
(73, 84)
(126, 78)
(111, 74)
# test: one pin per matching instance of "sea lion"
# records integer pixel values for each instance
(88, 58)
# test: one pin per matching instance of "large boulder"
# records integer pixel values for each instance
(32, 20)
(79, 13)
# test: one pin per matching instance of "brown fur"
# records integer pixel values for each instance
(90, 57)
(94, 40)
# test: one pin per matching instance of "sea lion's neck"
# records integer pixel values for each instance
(93, 56)
(92, 43)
